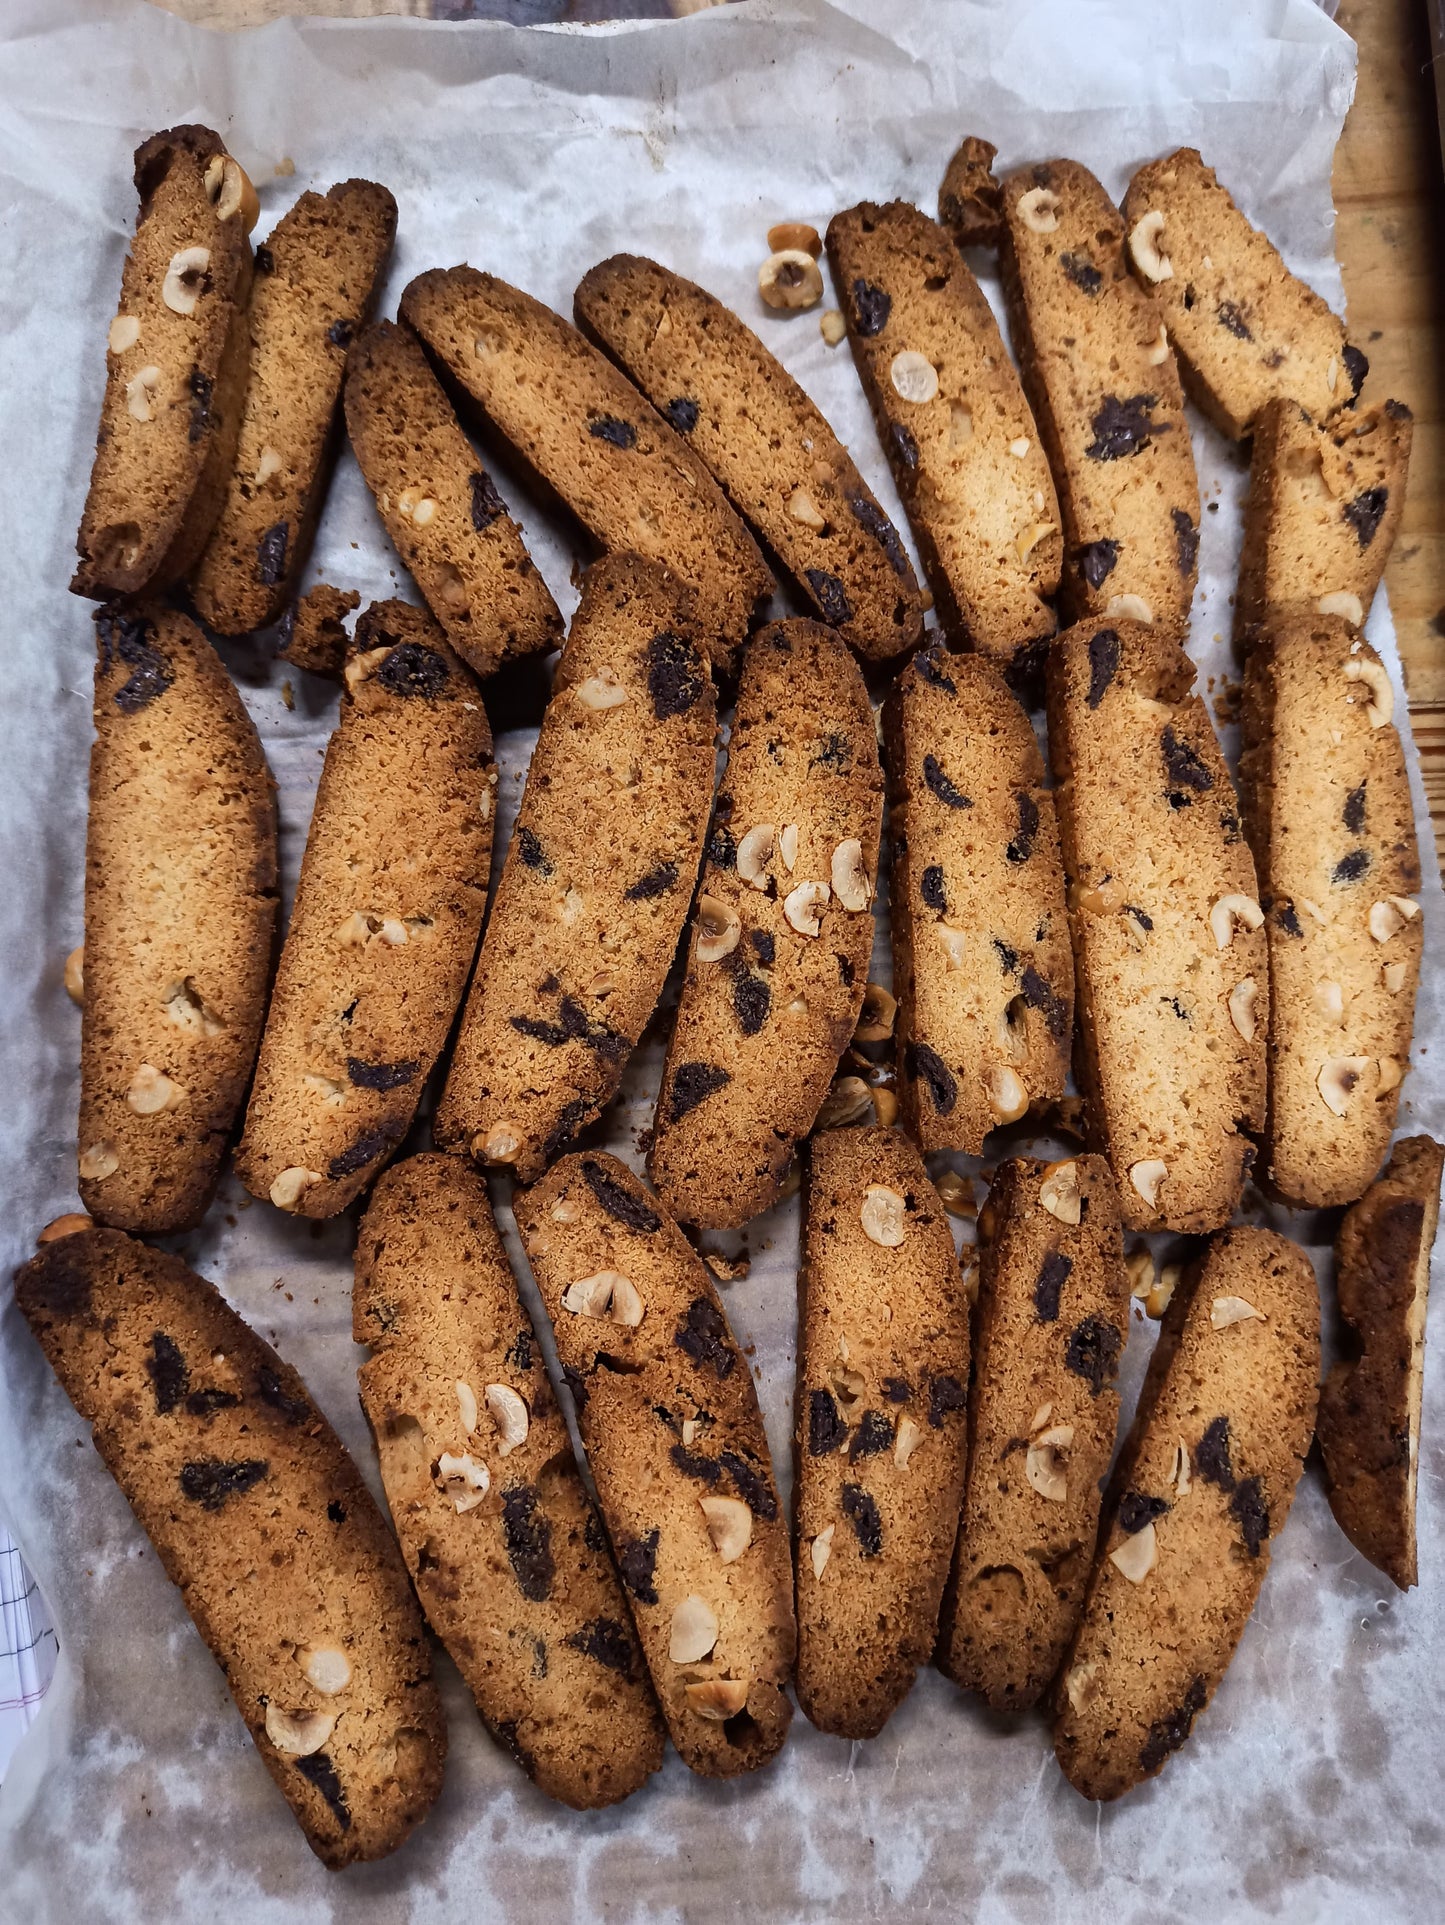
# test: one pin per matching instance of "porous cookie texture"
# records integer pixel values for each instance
(598, 877)
(1169, 948)
(970, 205)
(1098, 368)
(1327, 808)
(259, 1516)
(440, 506)
(315, 635)
(385, 926)
(1053, 1317)
(952, 418)
(180, 914)
(508, 1556)
(177, 359)
(631, 479)
(315, 280)
(1369, 1421)
(1203, 1486)
(881, 1435)
(777, 960)
(674, 1438)
(982, 966)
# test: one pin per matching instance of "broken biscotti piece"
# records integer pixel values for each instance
(388, 910)
(1169, 947)
(508, 1556)
(259, 1516)
(180, 910)
(674, 1438)
(314, 629)
(1203, 1486)
(1369, 1422)
(970, 204)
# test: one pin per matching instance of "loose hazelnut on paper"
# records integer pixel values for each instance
(75, 975)
(789, 279)
(794, 237)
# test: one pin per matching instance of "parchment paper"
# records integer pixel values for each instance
(1311, 1788)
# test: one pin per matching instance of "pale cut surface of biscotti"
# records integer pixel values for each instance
(507, 1554)
(674, 1438)
(1327, 808)
(1169, 952)
(180, 915)
(775, 972)
(777, 460)
(1369, 1421)
(439, 505)
(579, 423)
(968, 459)
(881, 1435)
(598, 877)
(1053, 1317)
(178, 353)
(1106, 395)
(315, 280)
(1202, 1488)
(385, 925)
(982, 966)
(263, 1522)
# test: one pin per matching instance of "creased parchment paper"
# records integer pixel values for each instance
(1311, 1789)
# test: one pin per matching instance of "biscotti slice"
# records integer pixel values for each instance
(1204, 1484)
(1097, 366)
(1327, 808)
(180, 915)
(631, 480)
(508, 1556)
(260, 1517)
(1169, 948)
(674, 1438)
(778, 957)
(881, 1432)
(316, 279)
(1053, 1317)
(385, 926)
(450, 525)
(314, 629)
(177, 358)
(953, 421)
(982, 967)
(970, 205)
(1369, 1422)
(1244, 329)
(779, 463)
(598, 877)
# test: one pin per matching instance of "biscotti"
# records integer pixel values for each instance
(1369, 1421)
(982, 967)
(970, 205)
(1097, 366)
(315, 281)
(314, 629)
(385, 926)
(1203, 1486)
(598, 877)
(508, 1557)
(1053, 1316)
(177, 358)
(180, 915)
(777, 460)
(881, 1434)
(1327, 808)
(674, 1438)
(1169, 949)
(259, 1516)
(579, 423)
(777, 963)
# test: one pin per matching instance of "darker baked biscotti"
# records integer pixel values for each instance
(970, 205)
(314, 629)
(260, 1517)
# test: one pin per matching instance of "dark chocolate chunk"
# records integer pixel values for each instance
(265, 260)
(1166, 1735)
(940, 785)
(1054, 1273)
(1288, 919)
(487, 504)
(826, 1429)
(1249, 1510)
(703, 1336)
(1351, 867)
(519, 1351)
(607, 427)
(1022, 845)
(527, 1533)
(750, 1484)
(905, 448)
(1231, 318)
(1008, 958)
(1103, 664)
(929, 664)
(594, 1534)
(577, 1384)
(1211, 1455)
(1093, 1352)
(336, 1511)
(1356, 367)
(205, 1403)
(1136, 1510)
(1144, 922)
(930, 887)
(637, 1562)
(682, 414)
(871, 308)
(382, 1076)
(945, 1394)
(1095, 561)
(570, 1119)
(752, 1000)
(897, 1390)
(339, 334)
(128, 637)
(606, 1642)
(320, 1771)
(845, 970)
(722, 851)
(1186, 541)
(1365, 512)
(634, 1211)
(271, 554)
(871, 517)
(692, 1464)
(366, 1149)
(867, 1524)
(208, 1481)
(692, 1084)
(763, 943)
(873, 1436)
(531, 852)
(1182, 766)
(272, 1390)
(1122, 427)
(201, 386)
(411, 669)
(1039, 994)
(166, 1368)
(833, 752)
(833, 604)
(1082, 272)
(656, 882)
(505, 1732)
(1354, 814)
(923, 1062)
(675, 677)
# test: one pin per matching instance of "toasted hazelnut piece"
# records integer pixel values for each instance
(1382, 704)
(1342, 602)
(607, 1294)
(1313, 911)
(287, 1190)
(1227, 1310)
(1019, 447)
(906, 1442)
(151, 1092)
(1046, 1460)
(717, 1699)
(1145, 250)
(850, 875)
(230, 191)
(1389, 917)
(1146, 1177)
(955, 944)
(299, 1734)
(1330, 1001)
(955, 1193)
(719, 929)
(509, 1410)
(694, 1630)
(788, 846)
(1160, 1296)
(1079, 1685)
(1179, 1475)
(913, 375)
(729, 1525)
(75, 975)
(270, 463)
(566, 1210)
(1392, 1074)
(1140, 1269)
(419, 508)
(1158, 351)
(882, 1214)
(1030, 536)
(804, 907)
(98, 1162)
(1059, 1192)
(362, 667)
(1394, 975)
(1038, 209)
(1338, 1079)
(326, 1667)
(1006, 1093)
(822, 1549)
(181, 288)
(1129, 608)
(1137, 1555)
(848, 1101)
(805, 511)
(601, 691)
(465, 1481)
(789, 278)
(794, 236)
(832, 326)
(124, 333)
(1230, 910)
(968, 1276)
(1104, 900)
(885, 1105)
(466, 1406)
(755, 852)
(499, 1145)
(139, 390)
(65, 1226)
(1242, 1000)
(877, 1016)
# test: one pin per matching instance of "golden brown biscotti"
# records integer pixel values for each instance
(314, 629)
(507, 1554)
(674, 1438)
(1169, 949)
(970, 205)
(259, 1516)
(881, 1436)
(180, 917)
(1204, 1484)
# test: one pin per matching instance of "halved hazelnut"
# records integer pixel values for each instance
(1382, 697)
(509, 1412)
(1242, 1000)
(804, 907)
(98, 1162)
(1145, 250)
(465, 1481)
(1391, 1075)
(601, 691)
(883, 1216)
(805, 511)
(1006, 1094)
(69, 1225)
(1030, 536)
(1059, 1192)
(1080, 1687)
(299, 1734)
(1129, 608)
(797, 235)
(877, 1016)
(821, 1549)
(1162, 1293)
(1227, 1310)
(1228, 911)
(181, 288)
(1038, 209)
(139, 391)
(906, 1442)
(848, 1101)
(1157, 353)
(286, 1192)
(466, 1406)
(1139, 1268)
(850, 875)
(694, 1630)
(719, 929)
(1103, 900)
(1342, 602)
(832, 326)
(955, 1193)
(75, 975)
(1136, 1557)
(885, 1105)
(1146, 1177)
(124, 333)
(789, 278)
(230, 191)
(151, 1092)
(729, 1525)
(1338, 1080)
(717, 1699)
(755, 852)
(913, 375)
(326, 1667)
(500, 1144)
(608, 1294)
(1046, 1460)
(788, 846)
